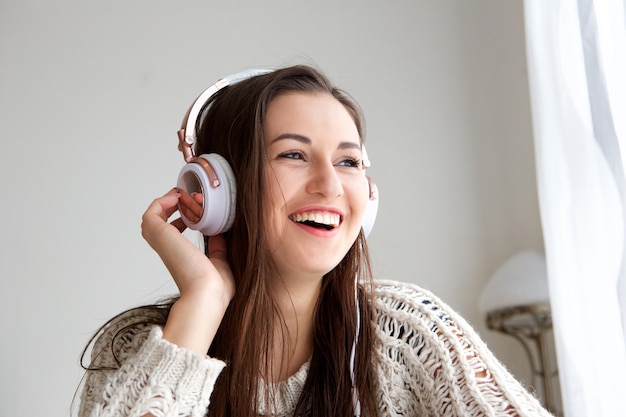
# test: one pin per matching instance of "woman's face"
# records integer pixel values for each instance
(315, 178)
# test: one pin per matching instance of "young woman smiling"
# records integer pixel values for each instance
(280, 314)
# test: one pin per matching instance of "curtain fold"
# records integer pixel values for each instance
(576, 64)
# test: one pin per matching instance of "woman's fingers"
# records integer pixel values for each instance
(158, 212)
(164, 206)
(198, 197)
(190, 205)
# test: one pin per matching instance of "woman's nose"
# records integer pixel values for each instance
(324, 180)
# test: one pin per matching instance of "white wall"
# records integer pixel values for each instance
(91, 94)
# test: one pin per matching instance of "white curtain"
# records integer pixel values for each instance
(577, 73)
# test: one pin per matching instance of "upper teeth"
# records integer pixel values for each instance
(322, 217)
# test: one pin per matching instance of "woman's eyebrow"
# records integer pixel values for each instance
(294, 136)
(349, 145)
(307, 141)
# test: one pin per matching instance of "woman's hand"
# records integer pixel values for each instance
(206, 285)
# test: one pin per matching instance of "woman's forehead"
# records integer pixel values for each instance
(309, 115)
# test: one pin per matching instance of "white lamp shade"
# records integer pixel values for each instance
(520, 281)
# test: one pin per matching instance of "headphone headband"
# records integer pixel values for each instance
(187, 133)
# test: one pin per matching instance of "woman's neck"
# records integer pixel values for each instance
(297, 300)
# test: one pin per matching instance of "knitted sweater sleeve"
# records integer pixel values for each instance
(432, 363)
(135, 371)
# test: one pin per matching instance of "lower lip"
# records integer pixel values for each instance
(318, 232)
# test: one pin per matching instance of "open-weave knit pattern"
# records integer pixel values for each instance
(155, 377)
(428, 362)
(430, 359)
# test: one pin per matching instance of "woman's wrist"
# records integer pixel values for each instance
(194, 319)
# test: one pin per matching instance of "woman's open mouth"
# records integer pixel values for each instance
(318, 219)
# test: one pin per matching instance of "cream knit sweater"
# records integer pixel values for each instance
(427, 360)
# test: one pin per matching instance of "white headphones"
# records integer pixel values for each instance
(211, 176)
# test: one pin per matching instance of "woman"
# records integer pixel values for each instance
(274, 301)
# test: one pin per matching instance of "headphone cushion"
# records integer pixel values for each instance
(227, 179)
(219, 202)
(371, 210)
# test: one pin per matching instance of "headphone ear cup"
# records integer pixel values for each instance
(372, 208)
(219, 201)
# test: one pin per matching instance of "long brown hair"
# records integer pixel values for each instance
(232, 125)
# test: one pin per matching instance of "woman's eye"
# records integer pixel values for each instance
(351, 162)
(291, 155)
